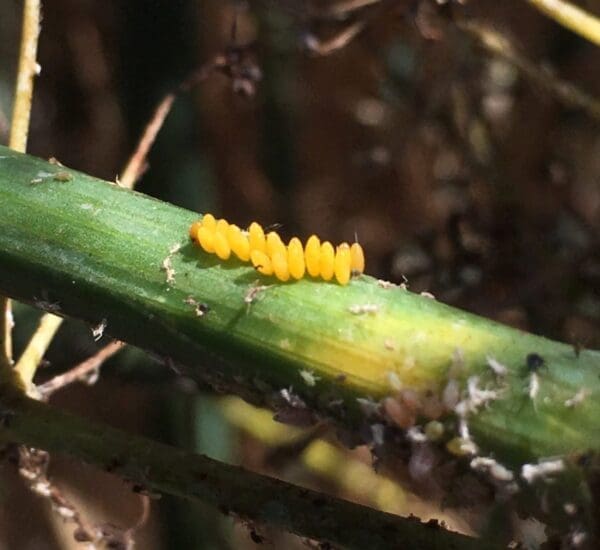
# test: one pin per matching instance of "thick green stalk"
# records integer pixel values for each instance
(82, 247)
(154, 467)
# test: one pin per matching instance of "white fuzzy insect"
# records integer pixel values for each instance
(416, 435)
(534, 385)
(310, 379)
(98, 330)
(533, 472)
(492, 467)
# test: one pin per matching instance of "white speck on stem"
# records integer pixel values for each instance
(498, 368)
(362, 309)
(578, 398)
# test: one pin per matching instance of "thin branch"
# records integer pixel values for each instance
(81, 371)
(136, 165)
(19, 130)
(153, 466)
(498, 44)
(573, 18)
(36, 348)
(232, 63)
(340, 40)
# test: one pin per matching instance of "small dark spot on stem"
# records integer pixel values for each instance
(534, 362)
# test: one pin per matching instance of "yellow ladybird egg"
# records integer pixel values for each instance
(256, 236)
(342, 264)
(357, 259)
(296, 261)
(274, 244)
(206, 238)
(222, 227)
(312, 254)
(239, 243)
(194, 230)
(208, 221)
(327, 261)
(280, 265)
(232, 231)
(261, 262)
(221, 244)
(270, 256)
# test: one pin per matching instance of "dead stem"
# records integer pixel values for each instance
(28, 68)
(498, 44)
(19, 130)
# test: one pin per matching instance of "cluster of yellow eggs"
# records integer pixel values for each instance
(270, 256)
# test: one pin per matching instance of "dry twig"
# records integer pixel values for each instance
(81, 371)
(234, 63)
(498, 44)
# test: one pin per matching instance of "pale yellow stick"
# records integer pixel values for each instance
(19, 129)
(566, 14)
(36, 348)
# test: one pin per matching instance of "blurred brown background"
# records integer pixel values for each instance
(453, 169)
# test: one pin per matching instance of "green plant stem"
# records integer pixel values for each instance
(156, 467)
(92, 250)
(82, 247)
(572, 17)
